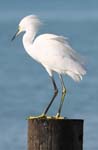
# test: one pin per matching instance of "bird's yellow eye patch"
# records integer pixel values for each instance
(19, 28)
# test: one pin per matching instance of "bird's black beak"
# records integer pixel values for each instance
(15, 35)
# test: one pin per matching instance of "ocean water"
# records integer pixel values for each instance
(22, 88)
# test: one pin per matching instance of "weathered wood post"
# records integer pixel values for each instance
(55, 134)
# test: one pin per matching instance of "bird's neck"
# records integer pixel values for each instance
(28, 38)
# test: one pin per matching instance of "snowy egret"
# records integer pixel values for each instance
(53, 52)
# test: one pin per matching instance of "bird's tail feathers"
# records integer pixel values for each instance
(77, 77)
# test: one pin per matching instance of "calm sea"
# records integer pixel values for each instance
(25, 87)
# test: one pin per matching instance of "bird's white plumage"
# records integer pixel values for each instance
(52, 51)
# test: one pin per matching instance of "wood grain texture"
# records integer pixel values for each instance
(55, 134)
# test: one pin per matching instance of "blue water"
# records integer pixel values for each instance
(25, 87)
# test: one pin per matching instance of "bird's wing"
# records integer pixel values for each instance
(68, 49)
(52, 49)
(61, 39)
(55, 54)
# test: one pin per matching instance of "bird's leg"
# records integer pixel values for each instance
(62, 97)
(43, 115)
(54, 95)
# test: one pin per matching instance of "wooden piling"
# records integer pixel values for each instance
(55, 134)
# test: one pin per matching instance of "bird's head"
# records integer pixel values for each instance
(30, 23)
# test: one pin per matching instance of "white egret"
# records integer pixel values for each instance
(53, 52)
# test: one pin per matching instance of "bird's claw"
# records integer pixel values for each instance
(58, 116)
(42, 116)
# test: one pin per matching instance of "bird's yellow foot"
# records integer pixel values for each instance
(42, 116)
(58, 116)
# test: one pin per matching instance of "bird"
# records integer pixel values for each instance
(54, 53)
